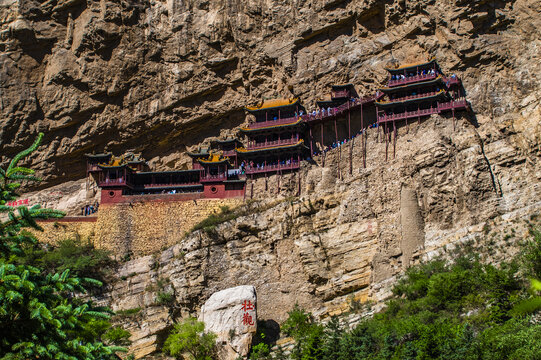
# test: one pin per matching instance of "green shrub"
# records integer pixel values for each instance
(165, 298)
(80, 257)
(128, 312)
(118, 336)
(460, 310)
(189, 338)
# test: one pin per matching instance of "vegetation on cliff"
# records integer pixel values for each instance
(463, 310)
(42, 310)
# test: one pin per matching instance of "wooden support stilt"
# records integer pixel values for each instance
(454, 120)
(386, 141)
(364, 139)
(322, 147)
(395, 131)
(279, 178)
(407, 126)
(339, 160)
(349, 123)
(335, 131)
(351, 157)
(266, 184)
(252, 188)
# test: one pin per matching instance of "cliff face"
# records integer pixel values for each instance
(160, 76)
(348, 236)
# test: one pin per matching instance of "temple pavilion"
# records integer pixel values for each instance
(282, 134)
(275, 140)
(122, 177)
(417, 90)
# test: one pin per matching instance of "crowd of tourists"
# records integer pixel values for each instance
(90, 209)
(411, 74)
(337, 144)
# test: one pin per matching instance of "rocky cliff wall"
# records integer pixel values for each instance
(159, 77)
(138, 228)
(347, 237)
(162, 76)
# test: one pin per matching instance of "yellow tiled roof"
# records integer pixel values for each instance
(272, 103)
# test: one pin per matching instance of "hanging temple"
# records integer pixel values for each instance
(281, 137)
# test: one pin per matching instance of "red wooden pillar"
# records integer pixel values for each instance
(395, 130)
(278, 114)
(349, 123)
(335, 131)
(454, 120)
(322, 147)
(386, 140)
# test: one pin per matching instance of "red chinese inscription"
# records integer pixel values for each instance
(17, 202)
(247, 319)
(247, 305)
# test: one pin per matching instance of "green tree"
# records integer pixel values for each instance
(308, 335)
(41, 315)
(189, 338)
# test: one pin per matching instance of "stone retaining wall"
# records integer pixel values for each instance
(138, 228)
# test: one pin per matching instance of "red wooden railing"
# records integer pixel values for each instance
(171, 184)
(259, 125)
(410, 97)
(255, 146)
(268, 168)
(457, 104)
(218, 177)
(113, 182)
(411, 79)
(92, 167)
(229, 153)
(452, 81)
(339, 110)
(340, 94)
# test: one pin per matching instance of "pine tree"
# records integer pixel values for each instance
(41, 314)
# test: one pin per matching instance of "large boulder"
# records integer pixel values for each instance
(231, 315)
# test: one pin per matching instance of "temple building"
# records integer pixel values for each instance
(275, 140)
(417, 90)
(282, 134)
(124, 177)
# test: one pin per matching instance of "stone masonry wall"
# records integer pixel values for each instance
(136, 229)
(144, 228)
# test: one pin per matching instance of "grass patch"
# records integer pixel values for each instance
(128, 312)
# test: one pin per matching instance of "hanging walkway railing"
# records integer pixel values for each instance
(457, 105)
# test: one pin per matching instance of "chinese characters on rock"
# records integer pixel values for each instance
(246, 317)
(17, 202)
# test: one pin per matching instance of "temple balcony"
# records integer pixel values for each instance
(411, 97)
(270, 144)
(213, 178)
(342, 109)
(412, 79)
(339, 94)
(273, 168)
(114, 182)
(452, 81)
(229, 152)
(270, 123)
(150, 186)
(450, 105)
(92, 167)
